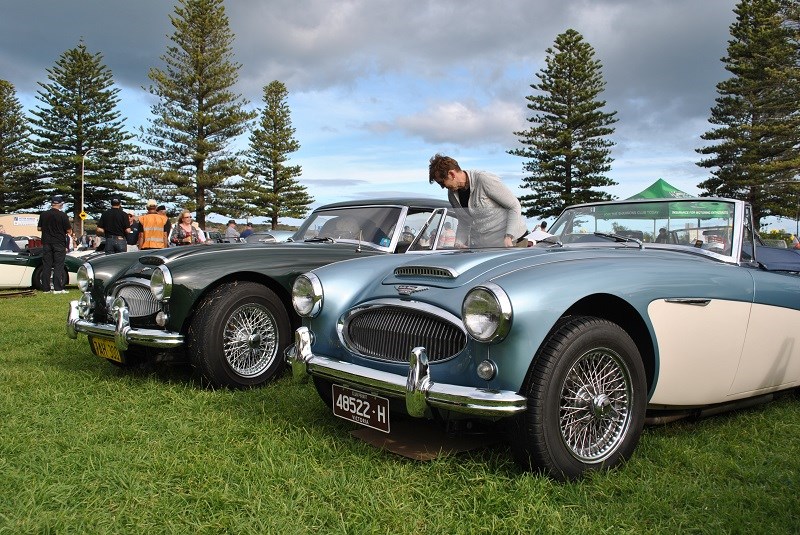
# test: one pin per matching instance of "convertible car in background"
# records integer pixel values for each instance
(226, 308)
(22, 268)
(631, 309)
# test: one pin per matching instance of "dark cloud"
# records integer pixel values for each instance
(449, 73)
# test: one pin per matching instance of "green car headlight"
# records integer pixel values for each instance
(161, 283)
(486, 313)
(85, 277)
(307, 295)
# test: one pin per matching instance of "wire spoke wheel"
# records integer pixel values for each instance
(238, 334)
(587, 397)
(250, 340)
(594, 409)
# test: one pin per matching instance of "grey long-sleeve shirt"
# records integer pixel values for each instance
(495, 211)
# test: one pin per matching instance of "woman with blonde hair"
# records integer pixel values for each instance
(185, 232)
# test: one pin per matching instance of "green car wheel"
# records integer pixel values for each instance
(238, 335)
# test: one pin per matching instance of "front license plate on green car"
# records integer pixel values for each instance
(361, 408)
(105, 348)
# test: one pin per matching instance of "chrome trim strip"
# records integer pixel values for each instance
(417, 389)
(121, 331)
(696, 301)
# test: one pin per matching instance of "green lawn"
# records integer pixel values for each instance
(86, 447)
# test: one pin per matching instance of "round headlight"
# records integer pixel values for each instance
(85, 277)
(486, 312)
(161, 283)
(307, 295)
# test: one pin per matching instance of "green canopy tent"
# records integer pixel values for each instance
(661, 189)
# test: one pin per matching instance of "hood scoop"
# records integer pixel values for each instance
(425, 271)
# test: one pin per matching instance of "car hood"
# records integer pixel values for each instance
(455, 269)
(173, 254)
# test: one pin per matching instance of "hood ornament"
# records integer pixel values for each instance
(407, 289)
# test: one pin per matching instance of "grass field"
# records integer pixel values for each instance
(86, 447)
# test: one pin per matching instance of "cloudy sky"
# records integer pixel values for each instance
(376, 87)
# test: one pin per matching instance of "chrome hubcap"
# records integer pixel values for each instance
(594, 409)
(250, 340)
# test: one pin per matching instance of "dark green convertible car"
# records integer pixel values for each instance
(226, 308)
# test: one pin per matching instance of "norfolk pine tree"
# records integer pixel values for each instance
(755, 154)
(275, 193)
(78, 113)
(197, 115)
(566, 147)
(19, 185)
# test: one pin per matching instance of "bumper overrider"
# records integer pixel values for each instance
(120, 331)
(418, 389)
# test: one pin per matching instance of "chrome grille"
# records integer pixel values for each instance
(139, 299)
(391, 332)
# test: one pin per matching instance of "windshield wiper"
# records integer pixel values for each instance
(551, 240)
(320, 239)
(619, 238)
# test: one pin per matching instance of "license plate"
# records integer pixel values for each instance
(365, 409)
(106, 349)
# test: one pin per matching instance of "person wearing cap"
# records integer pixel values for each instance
(231, 233)
(163, 211)
(136, 229)
(115, 226)
(54, 224)
(153, 234)
(247, 231)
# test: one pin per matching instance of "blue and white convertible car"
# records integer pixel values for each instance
(630, 310)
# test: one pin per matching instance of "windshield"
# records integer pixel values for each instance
(692, 223)
(365, 224)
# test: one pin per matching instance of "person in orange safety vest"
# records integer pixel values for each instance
(152, 235)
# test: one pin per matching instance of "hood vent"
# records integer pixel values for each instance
(152, 260)
(425, 271)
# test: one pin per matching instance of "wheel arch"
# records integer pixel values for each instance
(247, 276)
(619, 311)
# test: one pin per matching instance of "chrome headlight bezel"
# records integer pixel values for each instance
(161, 283)
(85, 277)
(307, 295)
(486, 313)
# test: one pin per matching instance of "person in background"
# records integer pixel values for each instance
(152, 234)
(662, 235)
(136, 229)
(495, 212)
(54, 224)
(70, 240)
(186, 233)
(115, 227)
(230, 232)
(247, 231)
(161, 209)
(448, 235)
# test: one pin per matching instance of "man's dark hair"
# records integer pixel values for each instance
(439, 167)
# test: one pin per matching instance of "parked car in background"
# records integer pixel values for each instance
(226, 308)
(269, 236)
(214, 236)
(568, 345)
(25, 241)
(22, 267)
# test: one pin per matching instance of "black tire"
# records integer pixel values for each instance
(324, 389)
(36, 279)
(238, 334)
(587, 397)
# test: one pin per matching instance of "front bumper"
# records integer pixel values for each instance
(418, 390)
(120, 331)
